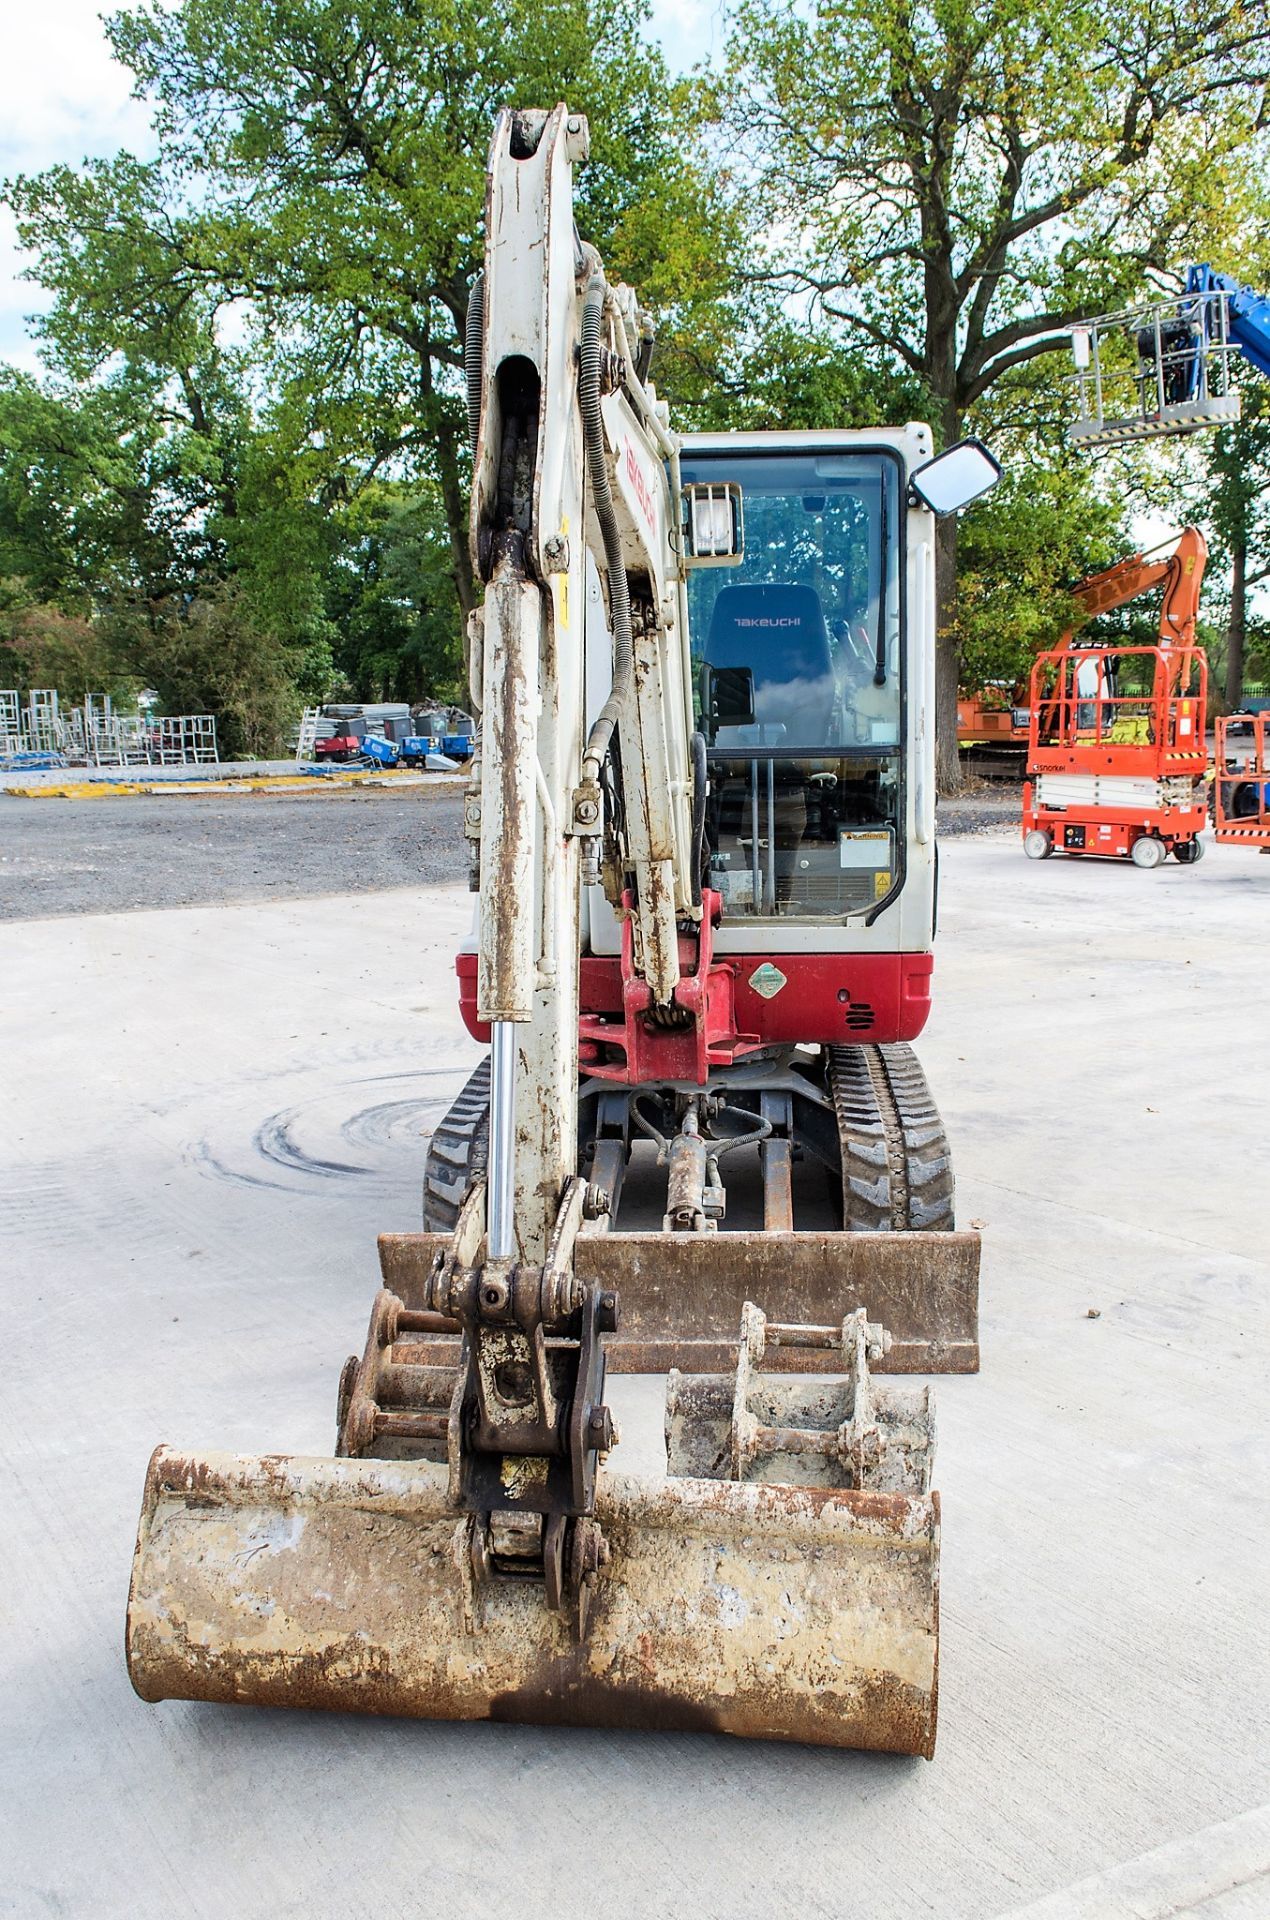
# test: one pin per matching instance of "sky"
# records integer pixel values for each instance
(64, 99)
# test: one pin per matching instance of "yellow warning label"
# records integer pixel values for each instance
(520, 1474)
(881, 884)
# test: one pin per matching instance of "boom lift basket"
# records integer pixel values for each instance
(1155, 370)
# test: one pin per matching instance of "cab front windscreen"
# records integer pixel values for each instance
(804, 809)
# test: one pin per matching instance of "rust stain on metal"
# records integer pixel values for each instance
(776, 1159)
(923, 1287)
(783, 1613)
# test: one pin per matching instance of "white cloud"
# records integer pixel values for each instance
(62, 98)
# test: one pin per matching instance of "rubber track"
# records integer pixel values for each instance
(458, 1154)
(896, 1168)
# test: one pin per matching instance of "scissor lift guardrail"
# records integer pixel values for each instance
(1241, 781)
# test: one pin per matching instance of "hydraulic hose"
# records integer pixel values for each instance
(602, 500)
(646, 1126)
(700, 778)
(720, 1144)
(473, 359)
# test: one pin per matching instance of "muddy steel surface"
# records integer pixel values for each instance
(210, 1112)
(119, 854)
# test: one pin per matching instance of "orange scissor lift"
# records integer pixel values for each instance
(1113, 771)
(1116, 742)
(1241, 781)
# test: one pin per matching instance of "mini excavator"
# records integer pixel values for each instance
(701, 819)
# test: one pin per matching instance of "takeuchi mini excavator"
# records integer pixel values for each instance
(1117, 759)
(701, 816)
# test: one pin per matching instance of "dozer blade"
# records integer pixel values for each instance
(682, 1294)
(770, 1611)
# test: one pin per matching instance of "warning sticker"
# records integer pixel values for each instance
(767, 980)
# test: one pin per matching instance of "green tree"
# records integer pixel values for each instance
(956, 182)
(127, 501)
(323, 165)
(98, 499)
(42, 645)
(391, 599)
(213, 656)
(1041, 530)
(778, 373)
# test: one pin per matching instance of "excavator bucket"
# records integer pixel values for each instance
(780, 1583)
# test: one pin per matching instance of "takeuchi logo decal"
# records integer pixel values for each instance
(640, 488)
(766, 620)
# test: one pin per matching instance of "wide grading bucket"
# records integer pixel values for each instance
(682, 1294)
(769, 1611)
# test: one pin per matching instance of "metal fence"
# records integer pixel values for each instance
(93, 734)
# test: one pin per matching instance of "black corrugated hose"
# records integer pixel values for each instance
(473, 354)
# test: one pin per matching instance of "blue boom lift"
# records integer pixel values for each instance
(1167, 368)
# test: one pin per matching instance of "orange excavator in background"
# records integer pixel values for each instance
(1179, 572)
(993, 724)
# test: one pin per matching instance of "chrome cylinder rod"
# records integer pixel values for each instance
(501, 1173)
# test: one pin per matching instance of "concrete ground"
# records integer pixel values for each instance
(208, 1114)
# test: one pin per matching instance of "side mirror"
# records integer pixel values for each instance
(727, 697)
(953, 479)
(714, 524)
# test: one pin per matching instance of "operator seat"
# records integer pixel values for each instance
(779, 632)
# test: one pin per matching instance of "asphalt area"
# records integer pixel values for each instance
(119, 853)
(116, 854)
(209, 1113)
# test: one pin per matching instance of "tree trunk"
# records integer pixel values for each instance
(1237, 631)
(454, 500)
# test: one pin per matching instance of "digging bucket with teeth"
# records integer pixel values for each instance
(781, 1582)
